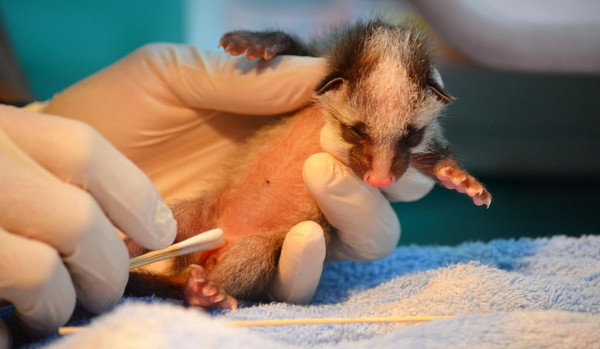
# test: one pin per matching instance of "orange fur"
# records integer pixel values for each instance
(261, 197)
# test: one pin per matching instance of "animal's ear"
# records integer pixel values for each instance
(439, 91)
(328, 84)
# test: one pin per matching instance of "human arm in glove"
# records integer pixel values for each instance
(64, 190)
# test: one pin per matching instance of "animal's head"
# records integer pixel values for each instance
(382, 97)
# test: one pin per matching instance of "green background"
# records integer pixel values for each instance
(59, 42)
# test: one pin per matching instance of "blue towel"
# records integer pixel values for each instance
(526, 293)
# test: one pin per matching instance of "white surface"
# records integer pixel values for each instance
(535, 35)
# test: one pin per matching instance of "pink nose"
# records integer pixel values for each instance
(379, 182)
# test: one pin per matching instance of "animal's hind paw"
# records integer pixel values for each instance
(254, 45)
(200, 292)
(453, 177)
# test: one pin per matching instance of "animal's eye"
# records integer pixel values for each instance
(412, 138)
(357, 131)
(354, 133)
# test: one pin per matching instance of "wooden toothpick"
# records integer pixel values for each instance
(327, 321)
(308, 321)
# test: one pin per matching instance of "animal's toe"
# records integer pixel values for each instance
(200, 292)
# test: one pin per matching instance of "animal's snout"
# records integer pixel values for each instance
(379, 181)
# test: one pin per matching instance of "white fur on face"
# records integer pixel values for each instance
(390, 100)
(382, 159)
(387, 101)
(333, 143)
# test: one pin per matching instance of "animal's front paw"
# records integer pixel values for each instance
(200, 292)
(453, 177)
(254, 45)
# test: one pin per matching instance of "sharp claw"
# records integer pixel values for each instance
(488, 200)
(482, 199)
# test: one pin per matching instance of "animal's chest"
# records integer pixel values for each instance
(268, 192)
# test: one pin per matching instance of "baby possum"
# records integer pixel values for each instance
(376, 110)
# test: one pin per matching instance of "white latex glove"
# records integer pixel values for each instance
(176, 111)
(64, 189)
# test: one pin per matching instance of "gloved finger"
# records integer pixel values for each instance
(216, 81)
(412, 186)
(38, 206)
(300, 264)
(167, 75)
(87, 160)
(34, 279)
(368, 227)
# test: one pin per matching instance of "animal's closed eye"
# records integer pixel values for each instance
(357, 131)
(414, 136)
(354, 133)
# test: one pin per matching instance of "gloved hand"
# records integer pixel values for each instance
(64, 189)
(176, 111)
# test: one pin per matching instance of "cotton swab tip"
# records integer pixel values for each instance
(208, 240)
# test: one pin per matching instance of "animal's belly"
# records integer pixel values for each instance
(269, 194)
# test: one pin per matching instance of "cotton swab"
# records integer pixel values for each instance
(208, 240)
(309, 321)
